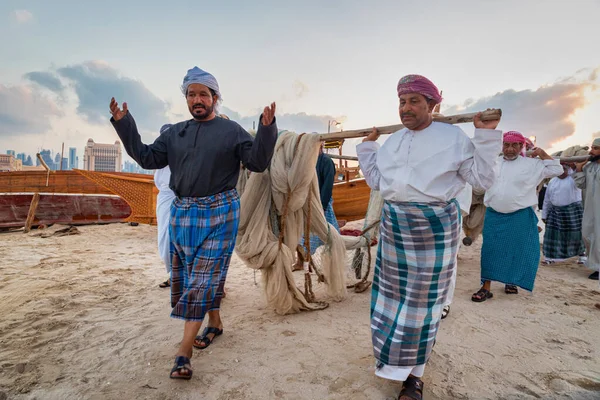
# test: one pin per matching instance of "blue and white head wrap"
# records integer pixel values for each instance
(196, 75)
(165, 128)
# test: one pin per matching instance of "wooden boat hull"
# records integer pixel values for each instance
(351, 199)
(136, 190)
(62, 209)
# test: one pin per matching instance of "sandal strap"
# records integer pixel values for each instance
(181, 361)
(413, 388)
(203, 338)
(212, 329)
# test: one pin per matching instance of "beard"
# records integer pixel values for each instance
(200, 111)
(511, 157)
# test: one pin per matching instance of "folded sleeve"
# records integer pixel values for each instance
(367, 159)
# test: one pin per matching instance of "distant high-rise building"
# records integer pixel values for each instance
(57, 160)
(102, 157)
(22, 157)
(28, 162)
(134, 168)
(47, 157)
(65, 164)
(73, 158)
(10, 152)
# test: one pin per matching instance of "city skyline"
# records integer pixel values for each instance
(50, 158)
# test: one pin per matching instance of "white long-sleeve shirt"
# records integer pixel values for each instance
(465, 198)
(560, 193)
(163, 212)
(516, 182)
(430, 165)
(161, 179)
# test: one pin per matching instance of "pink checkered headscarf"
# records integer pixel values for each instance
(421, 85)
(515, 137)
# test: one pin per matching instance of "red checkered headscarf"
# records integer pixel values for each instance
(515, 137)
(421, 85)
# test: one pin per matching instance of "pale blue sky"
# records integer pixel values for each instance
(326, 59)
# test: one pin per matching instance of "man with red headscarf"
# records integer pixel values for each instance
(419, 171)
(511, 244)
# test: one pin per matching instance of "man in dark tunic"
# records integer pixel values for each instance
(204, 155)
(326, 176)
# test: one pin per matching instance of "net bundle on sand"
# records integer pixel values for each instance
(274, 205)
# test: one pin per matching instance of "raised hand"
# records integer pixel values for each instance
(579, 166)
(479, 124)
(539, 152)
(373, 136)
(268, 115)
(116, 112)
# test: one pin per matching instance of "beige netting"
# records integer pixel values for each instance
(288, 189)
(473, 222)
(573, 151)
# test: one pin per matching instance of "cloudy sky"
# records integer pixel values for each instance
(63, 60)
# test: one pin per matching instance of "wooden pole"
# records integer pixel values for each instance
(572, 159)
(31, 213)
(39, 157)
(575, 159)
(342, 157)
(488, 115)
(62, 153)
(562, 159)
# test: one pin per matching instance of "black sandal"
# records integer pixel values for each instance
(482, 295)
(413, 388)
(165, 284)
(511, 289)
(204, 337)
(445, 311)
(180, 364)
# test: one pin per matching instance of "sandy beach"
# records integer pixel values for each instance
(83, 318)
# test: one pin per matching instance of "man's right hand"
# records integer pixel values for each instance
(579, 166)
(373, 136)
(116, 112)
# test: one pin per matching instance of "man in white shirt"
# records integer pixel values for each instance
(588, 177)
(562, 213)
(419, 171)
(511, 244)
(164, 199)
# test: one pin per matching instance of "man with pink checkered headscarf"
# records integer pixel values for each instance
(420, 171)
(511, 245)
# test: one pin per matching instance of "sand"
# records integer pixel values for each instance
(82, 317)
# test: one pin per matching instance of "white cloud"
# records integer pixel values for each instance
(25, 110)
(22, 16)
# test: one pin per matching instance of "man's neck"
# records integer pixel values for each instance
(209, 118)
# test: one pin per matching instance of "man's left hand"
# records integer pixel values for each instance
(539, 152)
(268, 115)
(479, 124)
